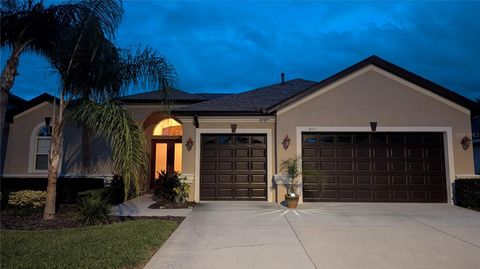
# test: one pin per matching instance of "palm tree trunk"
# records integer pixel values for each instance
(6, 83)
(54, 160)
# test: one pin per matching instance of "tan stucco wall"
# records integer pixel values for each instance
(375, 97)
(20, 143)
(19, 135)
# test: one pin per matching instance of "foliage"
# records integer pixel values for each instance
(125, 136)
(90, 193)
(31, 26)
(170, 187)
(27, 199)
(292, 171)
(94, 209)
(467, 193)
(128, 244)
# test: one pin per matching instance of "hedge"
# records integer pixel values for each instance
(467, 192)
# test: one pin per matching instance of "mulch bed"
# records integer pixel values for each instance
(167, 205)
(66, 217)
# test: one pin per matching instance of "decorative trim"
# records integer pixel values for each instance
(268, 132)
(447, 139)
(32, 152)
(262, 119)
(364, 70)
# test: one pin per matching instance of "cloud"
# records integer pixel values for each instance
(236, 46)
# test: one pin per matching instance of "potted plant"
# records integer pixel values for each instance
(291, 171)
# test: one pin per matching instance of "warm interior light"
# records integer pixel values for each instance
(177, 165)
(160, 158)
(168, 127)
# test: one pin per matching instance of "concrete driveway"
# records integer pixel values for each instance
(323, 235)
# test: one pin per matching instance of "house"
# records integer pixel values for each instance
(373, 132)
(476, 142)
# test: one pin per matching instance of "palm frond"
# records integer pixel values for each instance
(125, 136)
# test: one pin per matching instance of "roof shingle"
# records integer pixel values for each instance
(256, 100)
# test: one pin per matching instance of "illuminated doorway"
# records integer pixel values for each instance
(166, 147)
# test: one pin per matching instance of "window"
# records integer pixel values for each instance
(168, 127)
(43, 141)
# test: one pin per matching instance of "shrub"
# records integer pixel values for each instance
(93, 210)
(169, 187)
(27, 199)
(467, 193)
(91, 193)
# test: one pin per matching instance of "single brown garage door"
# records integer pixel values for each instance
(233, 167)
(374, 167)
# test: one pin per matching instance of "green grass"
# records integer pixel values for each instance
(119, 245)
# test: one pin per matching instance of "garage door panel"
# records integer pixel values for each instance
(365, 195)
(241, 153)
(383, 167)
(241, 178)
(225, 166)
(259, 178)
(258, 153)
(242, 165)
(233, 167)
(259, 165)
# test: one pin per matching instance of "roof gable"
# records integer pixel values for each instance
(388, 67)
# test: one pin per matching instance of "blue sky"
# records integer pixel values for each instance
(237, 46)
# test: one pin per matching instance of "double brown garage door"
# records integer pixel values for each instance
(233, 167)
(374, 167)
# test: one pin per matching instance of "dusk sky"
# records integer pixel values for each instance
(238, 46)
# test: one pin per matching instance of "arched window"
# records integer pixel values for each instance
(168, 127)
(43, 140)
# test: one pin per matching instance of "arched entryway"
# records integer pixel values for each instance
(165, 136)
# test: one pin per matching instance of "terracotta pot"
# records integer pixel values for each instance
(291, 201)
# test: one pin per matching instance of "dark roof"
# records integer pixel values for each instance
(172, 95)
(251, 102)
(391, 68)
(209, 96)
(44, 97)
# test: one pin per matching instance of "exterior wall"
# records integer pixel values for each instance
(374, 96)
(18, 144)
(213, 124)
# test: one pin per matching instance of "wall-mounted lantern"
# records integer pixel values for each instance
(286, 142)
(189, 144)
(233, 127)
(466, 142)
(373, 125)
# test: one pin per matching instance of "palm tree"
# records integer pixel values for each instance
(30, 26)
(92, 73)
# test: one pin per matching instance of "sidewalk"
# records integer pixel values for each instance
(139, 207)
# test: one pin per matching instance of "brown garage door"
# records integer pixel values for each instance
(233, 167)
(374, 167)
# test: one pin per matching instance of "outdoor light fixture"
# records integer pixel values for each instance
(466, 142)
(233, 127)
(189, 143)
(373, 125)
(286, 142)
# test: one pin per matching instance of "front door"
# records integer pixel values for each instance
(166, 156)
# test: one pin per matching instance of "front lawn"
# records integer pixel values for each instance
(120, 245)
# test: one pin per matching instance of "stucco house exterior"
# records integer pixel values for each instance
(373, 132)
